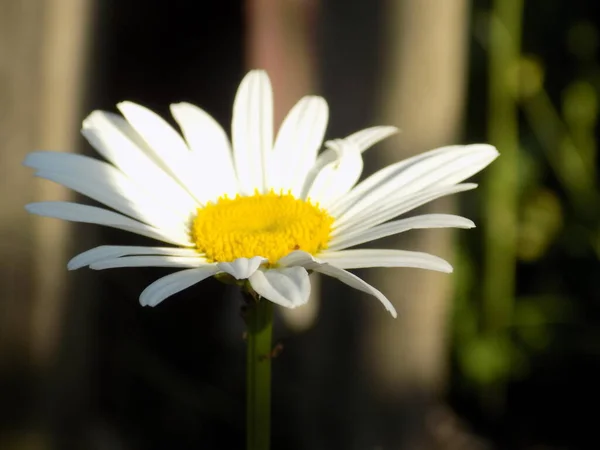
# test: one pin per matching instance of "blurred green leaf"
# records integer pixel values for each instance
(486, 360)
(580, 111)
(530, 172)
(529, 77)
(532, 326)
(582, 40)
(541, 221)
(569, 149)
(535, 318)
(576, 171)
(580, 104)
(520, 362)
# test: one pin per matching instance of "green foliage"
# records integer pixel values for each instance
(582, 41)
(535, 318)
(541, 221)
(501, 327)
(485, 359)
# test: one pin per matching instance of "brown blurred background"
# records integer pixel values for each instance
(504, 353)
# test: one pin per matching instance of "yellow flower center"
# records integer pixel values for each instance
(269, 225)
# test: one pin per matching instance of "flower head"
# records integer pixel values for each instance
(263, 210)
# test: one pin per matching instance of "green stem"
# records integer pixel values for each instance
(259, 322)
(501, 187)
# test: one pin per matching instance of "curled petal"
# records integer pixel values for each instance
(242, 268)
(288, 286)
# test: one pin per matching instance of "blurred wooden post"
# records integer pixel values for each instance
(42, 57)
(65, 45)
(279, 41)
(423, 88)
(20, 47)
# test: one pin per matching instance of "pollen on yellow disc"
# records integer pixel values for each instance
(269, 225)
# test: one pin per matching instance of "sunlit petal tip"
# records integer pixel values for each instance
(446, 268)
(93, 255)
(485, 149)
(368, 137)
(313, 98)
(387, 131)
(38, 208)
(76, 263)
(93, 118)
(130, 110)
(256, 73)
(30, 159)
(129, 104)
(390, 129)
(255, 79)
(242, 268)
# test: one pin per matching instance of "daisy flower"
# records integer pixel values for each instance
(264, 210)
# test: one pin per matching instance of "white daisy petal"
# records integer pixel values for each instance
(105, 184)
(252, 131)
(381, 212)
(118, 142)
(298, 141)
(442, 167)
(365, 139)
(76, 212)
(326, 158)
(336, 178)
(242, 268)
(105, 252)
(351, 239)
(365, 258)
(374, 186)
(355, 282)
(296, 258)
(161, 138)
(361, 140)
(210, 149)
(174, 283)
(150, 261)
(288, 286)
(311, 263)
(167, 146)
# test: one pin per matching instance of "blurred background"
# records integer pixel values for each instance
(503, 354)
